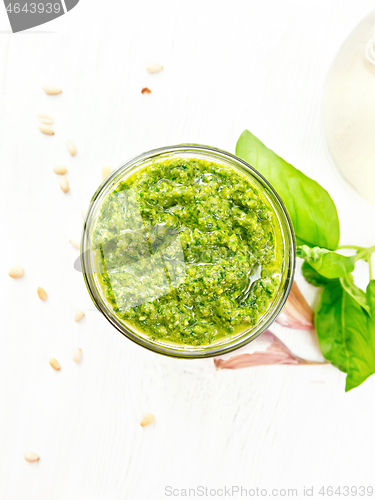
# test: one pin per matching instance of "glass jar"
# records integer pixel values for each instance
(228, 343)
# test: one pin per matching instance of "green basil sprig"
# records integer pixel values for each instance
(345, 317)
(328, 264)
(310, 207)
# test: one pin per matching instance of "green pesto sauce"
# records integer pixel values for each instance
(188, 251)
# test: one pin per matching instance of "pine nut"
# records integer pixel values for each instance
(75, 243)
(79, 315)
(55, 364)
(30, 456)
(72, 148)
(60, 169)
(148, 419)
(48, 120)
(77, 356)
(16, 272)
(154, 67)
(64, 184)
(52, 89)
(46, 129)
(42, 293)
(106, 170)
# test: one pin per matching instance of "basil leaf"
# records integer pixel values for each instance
(346, 333)
(329, 264)
(328, 325)
(364, 359)
(312, 276)
(370, 295)
(351, 288)
(310, 207)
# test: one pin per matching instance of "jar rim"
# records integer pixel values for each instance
(289, 259)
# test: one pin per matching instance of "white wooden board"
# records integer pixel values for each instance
(232, 65)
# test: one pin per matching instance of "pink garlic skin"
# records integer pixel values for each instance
(277, 353)
(296, 313)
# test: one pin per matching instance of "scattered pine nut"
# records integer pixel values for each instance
(16, 272)
(42, 293)
(106, 170)
(154, 67)
(75, 243)
(55, 364)
(30, 456)
(79, 315)
(64, 184)
(146, 90)
(72, 148)
(77, 356)
(46, 129)
(52, 89)
(148, 419)
(60, 169)
(48, 120)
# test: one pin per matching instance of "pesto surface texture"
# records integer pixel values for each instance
(188, 251)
